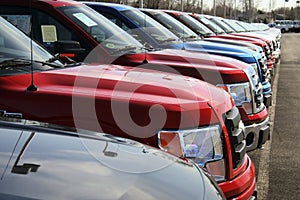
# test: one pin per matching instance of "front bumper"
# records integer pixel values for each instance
(267, 92)
(268, 100)
(257, 134)
(276, 54)
(272, 72)
(243, 186)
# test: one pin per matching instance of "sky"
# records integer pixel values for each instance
(265, 5)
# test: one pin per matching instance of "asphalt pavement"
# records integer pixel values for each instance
(278, 162)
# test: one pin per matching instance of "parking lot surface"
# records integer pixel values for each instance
(278, 162)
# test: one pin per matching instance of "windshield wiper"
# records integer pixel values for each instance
(49, 64)
(169, 40)
(126, 48)
(193, 37)
(207, 34)
(13, 62)
(66, 60)
(24, 62)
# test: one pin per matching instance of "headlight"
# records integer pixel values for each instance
(202, 145)
(254, 66)
(241, 94)
(253, 49)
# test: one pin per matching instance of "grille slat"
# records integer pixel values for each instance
(257, 94)
(264, 70)
(267, 51)
(236, 134)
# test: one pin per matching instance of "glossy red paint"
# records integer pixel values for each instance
(53, 100)
(106, 84)
(256, 118)
(243, 185)
(211, 68)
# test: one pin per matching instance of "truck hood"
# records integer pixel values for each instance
(125, 80)
(258, 35)
(241, 38)
(214, 69)
(224, 49)
(133, 101)
(250, 46)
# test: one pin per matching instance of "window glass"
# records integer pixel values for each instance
(45, 28)
(157, 31)
(211, 25)
(18, 52)
(175, 26)
(224, 26)
(116, 20)
(201, 29)
(110, 37)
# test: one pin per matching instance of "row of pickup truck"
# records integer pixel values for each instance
(195, 86)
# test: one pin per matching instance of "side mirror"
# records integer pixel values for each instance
(71, 49)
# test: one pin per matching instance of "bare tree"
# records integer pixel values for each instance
(151, 4)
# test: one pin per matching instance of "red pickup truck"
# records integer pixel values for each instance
(99, 40)
(123, 96)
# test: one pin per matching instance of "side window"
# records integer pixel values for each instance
(45, 28)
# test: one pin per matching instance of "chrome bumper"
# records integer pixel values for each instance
(276, 54)
(257, 134)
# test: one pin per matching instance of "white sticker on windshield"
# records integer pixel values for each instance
(22, 22)
(85, 19)
(49, 33)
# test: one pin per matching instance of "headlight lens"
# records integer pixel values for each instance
(202, 145)
(254, 66)
(241, 94)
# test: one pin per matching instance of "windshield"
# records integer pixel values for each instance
(110, 36)
(175, 26)
(211, 25)
(196, 25)
(17, 51)
(264, 27)
(235, 26)
(157, 31)
(247, 26)
(224, 26)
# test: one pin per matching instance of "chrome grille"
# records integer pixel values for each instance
(274, 45)
(235, 129)
(257, 91)
(258, 97)
(268, 52)
(271, 46)
(264, 70)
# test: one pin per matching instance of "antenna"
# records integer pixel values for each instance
(183, 39)
(32, 87)
(145, 61)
